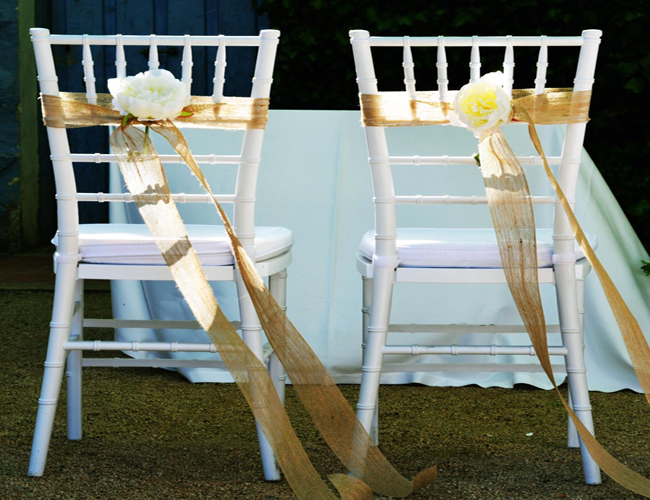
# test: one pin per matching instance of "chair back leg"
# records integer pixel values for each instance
(366, 290)
(572, 432)
(252, 335)
(73, 368)
(278, 288)
(567, 299)
(572, 440)
(377, 332)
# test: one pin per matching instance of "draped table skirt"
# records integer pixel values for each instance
(315, 180)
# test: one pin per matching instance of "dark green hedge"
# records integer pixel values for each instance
(315, 69)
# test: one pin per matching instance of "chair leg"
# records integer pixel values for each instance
(572, 433)
(366, 290)
(252, 335)
(73, 368)
(377, 331)
(64, 289)
(278, 288)
(278, 375)
(567, 297)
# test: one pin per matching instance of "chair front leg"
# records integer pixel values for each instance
(74, 368)
(64, 289)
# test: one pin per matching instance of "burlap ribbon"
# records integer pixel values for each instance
(331, 413)
(395, 109)
(72, 110)
(513, 217)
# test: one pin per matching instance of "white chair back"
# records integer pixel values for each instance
(381, 161)
(248, 161)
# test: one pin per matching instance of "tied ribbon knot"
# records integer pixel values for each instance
(512, 213)
(334, 418)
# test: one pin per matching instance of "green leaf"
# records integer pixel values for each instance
(645, 267)
(127, 118)
(635, 85)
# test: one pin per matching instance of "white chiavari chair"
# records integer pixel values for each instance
(393, 254)
(128, 252)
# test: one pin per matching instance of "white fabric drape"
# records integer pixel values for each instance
(315, 180)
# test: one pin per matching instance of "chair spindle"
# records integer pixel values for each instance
(120, 59)
(475, 62)
(441, 65)
(153, 53)
(89, 73)
(409, 72)
(542, 64)
(509, 67)
(219, 71)
(187, 64)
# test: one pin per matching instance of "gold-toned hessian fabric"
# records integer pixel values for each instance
(513, 218)
(72, 110)
(395, 109)
(332, 414)
(144, 175)
(329, 410)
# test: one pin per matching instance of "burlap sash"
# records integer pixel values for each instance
(331, 413)
(395, 109)
(513, 217)
(72, 110)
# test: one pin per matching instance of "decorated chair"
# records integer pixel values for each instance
(393, 254)
(128, 251)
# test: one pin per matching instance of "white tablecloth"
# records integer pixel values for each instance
(315, 180)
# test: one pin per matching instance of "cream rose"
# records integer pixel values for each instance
(152, 95)
(483, 106)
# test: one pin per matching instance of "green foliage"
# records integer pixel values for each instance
(645, 267)
(315, 69)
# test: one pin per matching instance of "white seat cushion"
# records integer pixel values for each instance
(428, 247)
(132, 244)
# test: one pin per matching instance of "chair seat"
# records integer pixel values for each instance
(459, 248)
(132, 244)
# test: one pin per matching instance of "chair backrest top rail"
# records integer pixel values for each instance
(145, 40)
(488, 41)
(420, 199)
(462, 160)
(165, 159)
(177, 197)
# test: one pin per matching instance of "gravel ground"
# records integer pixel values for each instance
(149, 434)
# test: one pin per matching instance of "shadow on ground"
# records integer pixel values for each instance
(149, 434)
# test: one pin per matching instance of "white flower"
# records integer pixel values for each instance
(152, 95)
(483, 106)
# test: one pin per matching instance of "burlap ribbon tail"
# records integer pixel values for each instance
(512, 213)
(331, 413)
